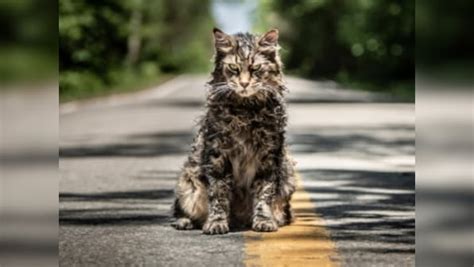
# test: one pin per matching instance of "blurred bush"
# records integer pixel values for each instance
(364, 43)
(116, 44)
(29, 41)
(444, 46)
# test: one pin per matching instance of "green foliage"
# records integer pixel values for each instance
(122, 80)
(28, 45)
(443, 39)
(116, 43)
(353, 41)
(71, 80)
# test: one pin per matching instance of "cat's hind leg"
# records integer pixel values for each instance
(190, 206)
(281, 205)
(182, 222)
(282, 212)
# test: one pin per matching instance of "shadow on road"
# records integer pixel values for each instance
(116, 196)
(370, 141)
(114, 218)
(358, 207)
(374, 141)
(133, 208)
(139, 145)
(366, 207)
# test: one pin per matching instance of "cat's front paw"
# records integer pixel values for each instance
(183, 224)
(264, 225)
(216, 227)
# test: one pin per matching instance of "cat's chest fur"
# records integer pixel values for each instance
(244, 158)
(251, 137)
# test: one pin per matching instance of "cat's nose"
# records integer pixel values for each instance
(244, 84)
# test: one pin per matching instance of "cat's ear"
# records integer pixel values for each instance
(269, 39)
(222, 41)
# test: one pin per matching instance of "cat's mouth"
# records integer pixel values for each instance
(245, 92)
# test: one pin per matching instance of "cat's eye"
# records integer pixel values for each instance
(234, 67)
(256, 67)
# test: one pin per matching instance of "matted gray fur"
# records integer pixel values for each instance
(239, 173)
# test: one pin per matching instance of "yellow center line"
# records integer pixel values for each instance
(305, 242)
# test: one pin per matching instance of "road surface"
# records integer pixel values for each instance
(120, 157)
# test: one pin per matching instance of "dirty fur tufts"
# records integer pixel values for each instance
(239, 173)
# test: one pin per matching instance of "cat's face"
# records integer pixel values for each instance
(247, 63)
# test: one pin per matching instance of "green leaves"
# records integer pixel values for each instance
(370, 41)
(138, 39)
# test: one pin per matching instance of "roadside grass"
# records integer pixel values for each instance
(91, 88)
(25, 64)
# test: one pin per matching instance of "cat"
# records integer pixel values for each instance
(239, 173)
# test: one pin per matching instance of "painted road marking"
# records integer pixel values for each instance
(303, 243)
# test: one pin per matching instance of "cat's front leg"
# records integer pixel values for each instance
(219, 207)
(219, 193)
(263, 192)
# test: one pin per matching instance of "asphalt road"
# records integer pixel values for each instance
(120, 157)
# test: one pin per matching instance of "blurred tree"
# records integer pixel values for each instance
(366, 41)
(135, 35)
(29, 40)
(442, 42)
(116, 43)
